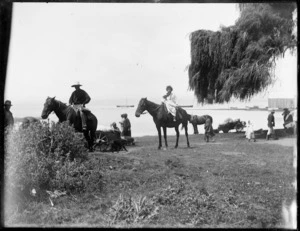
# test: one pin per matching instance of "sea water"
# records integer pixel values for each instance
(144, 125)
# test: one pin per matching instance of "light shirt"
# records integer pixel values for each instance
(172, 97)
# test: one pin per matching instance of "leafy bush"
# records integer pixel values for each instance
(44, 157)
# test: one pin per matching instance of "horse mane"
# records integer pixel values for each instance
(58, 101)
(152, 104)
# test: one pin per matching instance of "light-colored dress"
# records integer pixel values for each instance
(171, 104)
(250, 131)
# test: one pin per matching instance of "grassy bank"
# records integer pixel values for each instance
(228, 183)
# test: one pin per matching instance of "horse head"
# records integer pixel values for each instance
(141, 107)
(49, 106)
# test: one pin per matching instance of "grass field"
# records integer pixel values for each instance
(229, 183)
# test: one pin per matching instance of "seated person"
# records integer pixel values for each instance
(114, 127)
(170, 101)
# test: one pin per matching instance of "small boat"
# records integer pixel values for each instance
(125, 105)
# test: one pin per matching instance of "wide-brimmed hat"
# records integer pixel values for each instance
(285, 110)
(8, 103)
(169, 86)
(76, 84)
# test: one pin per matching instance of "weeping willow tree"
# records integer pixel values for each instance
(237, 61)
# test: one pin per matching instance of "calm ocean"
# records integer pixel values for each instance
(144, 125)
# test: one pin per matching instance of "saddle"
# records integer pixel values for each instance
(86, 112)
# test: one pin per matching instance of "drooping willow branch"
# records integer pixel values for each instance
(237, 61)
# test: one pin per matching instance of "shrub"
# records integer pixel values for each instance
(44, 157)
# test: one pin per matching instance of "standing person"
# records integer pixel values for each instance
(125, 125)
(271, 124)
(8, 116)
(170, 101)
(209, 131)
(288, 121)
(78, 100)
(250, 132)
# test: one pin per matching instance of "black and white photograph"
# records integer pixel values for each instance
(153, 114)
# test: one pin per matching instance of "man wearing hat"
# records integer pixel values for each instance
(271, 124)
(78, 100)
(170, 101)
(8, 116)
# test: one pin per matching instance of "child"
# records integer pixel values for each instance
(209, 131)
(250, 132)
(114, 127)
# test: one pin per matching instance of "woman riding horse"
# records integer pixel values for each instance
(162, 119)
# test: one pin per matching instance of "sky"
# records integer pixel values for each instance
(117, 51)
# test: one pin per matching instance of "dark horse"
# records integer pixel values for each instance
(67, 113)
(198, 120)
(162, 118)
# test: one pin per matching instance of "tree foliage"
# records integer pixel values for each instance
(237, 61)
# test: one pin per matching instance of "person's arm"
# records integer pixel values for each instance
(87, 98)
(71, 99)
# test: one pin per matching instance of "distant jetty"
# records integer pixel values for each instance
(125, 105)
(185, 105)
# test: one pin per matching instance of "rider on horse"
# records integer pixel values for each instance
(170, 101)
(78, 100)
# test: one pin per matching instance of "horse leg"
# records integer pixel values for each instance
(165, 136)
(159, 136)
(92, 139)
(177, 136)
(88, 139)
(187, 135)
(195, 128)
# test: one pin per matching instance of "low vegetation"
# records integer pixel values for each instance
(230, 183)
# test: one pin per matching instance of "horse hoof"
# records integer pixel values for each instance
(175, 146)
